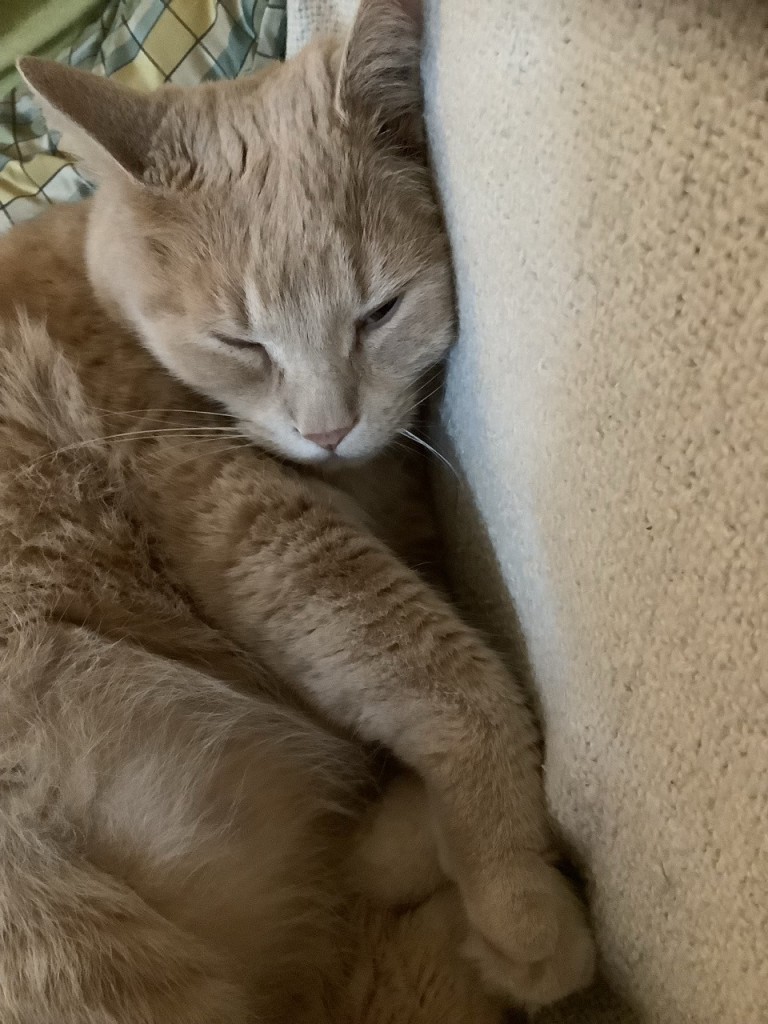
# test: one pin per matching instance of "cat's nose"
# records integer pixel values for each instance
(330, 439)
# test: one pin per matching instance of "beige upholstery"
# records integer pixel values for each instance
(605, 170)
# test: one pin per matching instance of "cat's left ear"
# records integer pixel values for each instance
(380, 75)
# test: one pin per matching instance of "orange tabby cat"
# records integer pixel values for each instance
(205, 638)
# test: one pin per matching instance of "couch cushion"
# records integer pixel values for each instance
(604, 171)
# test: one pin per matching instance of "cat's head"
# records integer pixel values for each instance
(276, 240)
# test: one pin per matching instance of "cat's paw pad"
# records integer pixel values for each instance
(530, 937)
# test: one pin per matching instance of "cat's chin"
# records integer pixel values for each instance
(324, 460)
(332, 462)
(338, 463)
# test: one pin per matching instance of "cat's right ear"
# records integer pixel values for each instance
(107, 125)
(380, 74)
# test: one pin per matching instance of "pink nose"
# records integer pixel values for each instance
(330, 439)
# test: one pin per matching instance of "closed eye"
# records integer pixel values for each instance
(381, 314)
(241, 343)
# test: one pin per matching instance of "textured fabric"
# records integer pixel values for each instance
(310, 18)
(142, 43)
(604, 172)
(38, 26)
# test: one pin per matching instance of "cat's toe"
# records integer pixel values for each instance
(530, 937)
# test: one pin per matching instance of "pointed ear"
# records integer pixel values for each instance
(380, 75)
(109, 126)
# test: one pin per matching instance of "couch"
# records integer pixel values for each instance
(604, 166)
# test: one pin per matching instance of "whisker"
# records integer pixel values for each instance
(434, 373)
(151, 412)
(430, 377)
(180, 432)
(434, 391)
(422, 399)
(428, 447)
(217, 453)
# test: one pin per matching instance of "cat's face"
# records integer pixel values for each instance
(279, 248)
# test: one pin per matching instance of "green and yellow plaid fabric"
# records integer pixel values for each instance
(141, 43)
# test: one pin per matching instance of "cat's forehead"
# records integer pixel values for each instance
(299, 99)
(228, 130)
(288, 195)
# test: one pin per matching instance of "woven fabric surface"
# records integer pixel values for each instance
(604, 168)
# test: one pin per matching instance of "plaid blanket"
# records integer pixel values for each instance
(142, 43)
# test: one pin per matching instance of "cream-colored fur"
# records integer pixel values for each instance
(204, 648)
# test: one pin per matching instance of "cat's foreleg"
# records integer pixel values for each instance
(378, 652)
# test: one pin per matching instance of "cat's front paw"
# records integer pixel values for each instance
(529, 935)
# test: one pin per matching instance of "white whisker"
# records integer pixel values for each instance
(219, 451)
(422, 399)
(434, 391)
(178, 412)
(428, 447)
(190, 433)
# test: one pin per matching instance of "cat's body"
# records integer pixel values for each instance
(202, 644)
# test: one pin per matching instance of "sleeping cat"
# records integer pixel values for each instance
(207, 640)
